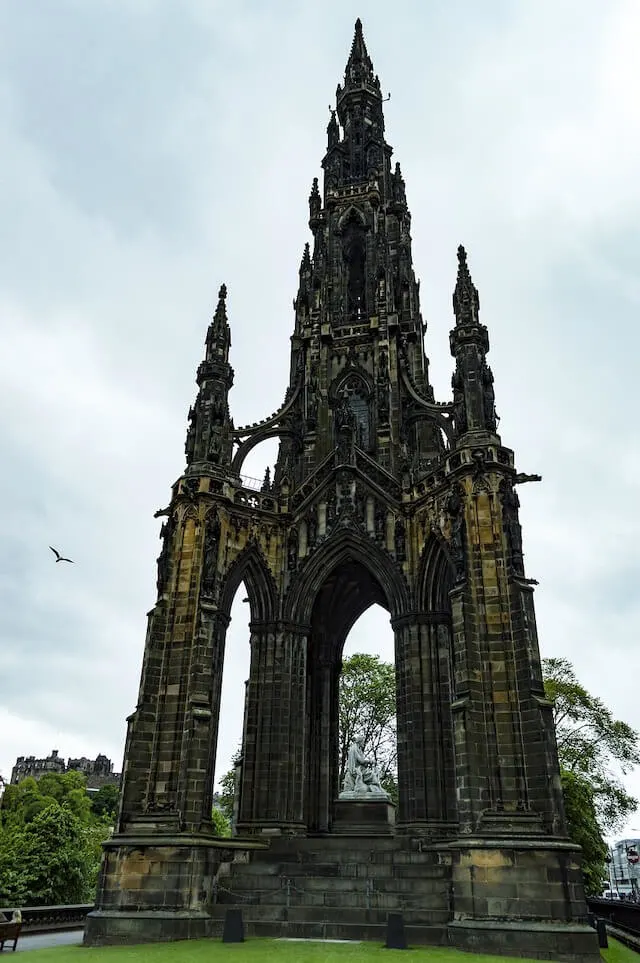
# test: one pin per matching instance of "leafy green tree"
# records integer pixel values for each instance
(592, 744)
(48, 860)
(584, 830)
(51, 823)
(104, 802)
(221, 825)
(228, 787)
(367, 708)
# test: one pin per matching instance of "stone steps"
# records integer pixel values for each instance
(346, 855)
(335, 914)
(338, 888)
(337, 871)
(309, 930)
(248, 885)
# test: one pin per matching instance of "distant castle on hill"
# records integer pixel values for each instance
(98, 772)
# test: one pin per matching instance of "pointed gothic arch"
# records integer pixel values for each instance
(250, 567)
(348, 547)
(436, 576)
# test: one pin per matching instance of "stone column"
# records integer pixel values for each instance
(321, 740)
(273, 774)
(200, 733)
(425, 745)
(505, 751)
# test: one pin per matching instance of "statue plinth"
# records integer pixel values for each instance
(363, 814)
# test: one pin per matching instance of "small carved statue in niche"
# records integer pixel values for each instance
(401, 540)
(455, 508)
(489, 398)
(215, 447)
(210, 555)
(330, 514)
(292, 550)
(190, 443)
(513, 531)
(344, 415)
(312, 528)
(166, 531)
(312, 400)
(217, 411)
(382, 388)
(381, 524)
(459, 408)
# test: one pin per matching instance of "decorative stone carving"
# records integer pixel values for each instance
(344, 415)
(361, 780)
(215, 447)
(190, 443)
(382, 388)
(459, 407)
(292, 550)
(312, 401)
(401, 541)
(455, 509)
(210, 555)
(312, 527)
(381, 524)
(331, 509)
(511, 523)
(166, 532)
(489, 398)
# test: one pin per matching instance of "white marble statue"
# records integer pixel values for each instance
(361, 779)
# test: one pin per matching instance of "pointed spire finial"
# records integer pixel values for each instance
(221, 308)
(359, 67)
(466, 302)
(305, 264)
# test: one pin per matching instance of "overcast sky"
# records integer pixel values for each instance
(150, 151)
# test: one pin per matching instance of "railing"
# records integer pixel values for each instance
(248, 482)
(622, 919)
(44, 919)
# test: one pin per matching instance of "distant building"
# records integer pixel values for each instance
(98, 772)
(624, 875)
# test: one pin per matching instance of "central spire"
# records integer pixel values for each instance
(359, 69)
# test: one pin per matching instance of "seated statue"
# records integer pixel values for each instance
(361, 778)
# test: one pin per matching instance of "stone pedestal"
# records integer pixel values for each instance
(159, 887)
(363, 816)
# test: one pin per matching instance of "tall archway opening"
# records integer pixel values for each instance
(367, 697)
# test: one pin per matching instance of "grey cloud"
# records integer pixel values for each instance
(152, 152)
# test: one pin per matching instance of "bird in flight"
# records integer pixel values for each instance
(59, 557)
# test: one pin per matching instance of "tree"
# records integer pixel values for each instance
(584, 830)
(592, 744)
(221, 825)
(50, 840)
(367, 708)
(228, 786)
(104, 803)
(46, 862)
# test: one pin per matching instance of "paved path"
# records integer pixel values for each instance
(41, 941)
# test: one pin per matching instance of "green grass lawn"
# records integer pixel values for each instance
(206, 951)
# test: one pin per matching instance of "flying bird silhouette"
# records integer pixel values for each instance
(59, 557)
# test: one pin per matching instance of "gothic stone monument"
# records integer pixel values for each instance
(380, 495)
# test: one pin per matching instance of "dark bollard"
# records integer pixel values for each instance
(233, 931)
(601, 929)
(396, 937)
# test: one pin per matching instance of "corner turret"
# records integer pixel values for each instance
(472, 382)
(209, 441)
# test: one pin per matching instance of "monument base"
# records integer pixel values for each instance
(354, 816)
